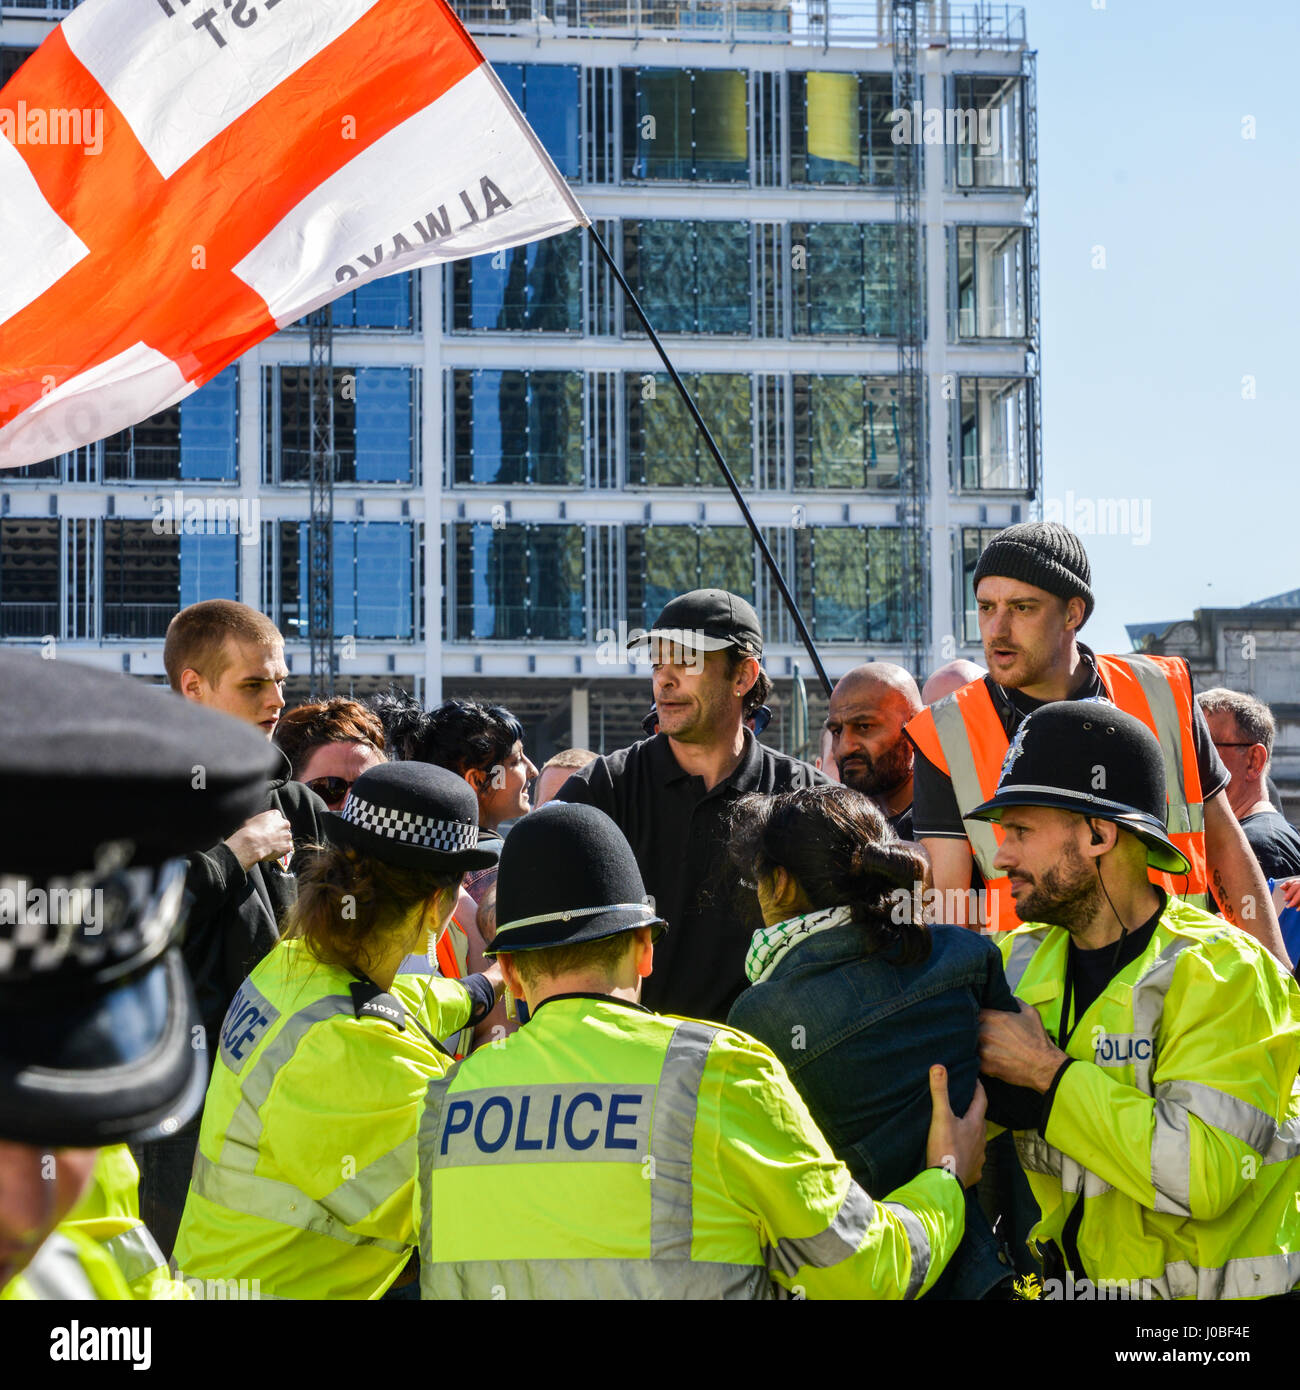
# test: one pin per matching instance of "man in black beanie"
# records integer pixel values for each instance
(1033, 590)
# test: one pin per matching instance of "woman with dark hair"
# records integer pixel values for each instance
(858, 999)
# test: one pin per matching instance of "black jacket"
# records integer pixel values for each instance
(679, 832)
(234, 917)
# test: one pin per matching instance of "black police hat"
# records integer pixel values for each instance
(106, 782)
(708, 620)
(567, 876)
(1088, 757)
(414, 815)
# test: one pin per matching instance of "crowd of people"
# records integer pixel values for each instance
(996, 988)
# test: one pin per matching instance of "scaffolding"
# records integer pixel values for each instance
(1033, 366)
(320, 523)
(910, 297)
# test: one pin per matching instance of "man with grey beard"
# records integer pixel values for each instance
(869, 707)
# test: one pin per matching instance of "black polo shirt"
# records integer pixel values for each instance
(677, 831)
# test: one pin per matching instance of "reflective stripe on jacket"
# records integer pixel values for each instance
(606, 1152)
(306, 1160)
(1179, 1127)
(963, 737)
(109, 1214)
(70, 1265)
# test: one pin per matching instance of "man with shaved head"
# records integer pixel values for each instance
(949, 678)
(868, 709)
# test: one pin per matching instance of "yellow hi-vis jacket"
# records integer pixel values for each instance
(101, 1249)
(302, 1184)
(1179, 1126)
(604, 1151)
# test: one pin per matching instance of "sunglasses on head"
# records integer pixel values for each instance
(330, 788)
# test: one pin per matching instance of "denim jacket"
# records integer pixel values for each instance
(858, 1033)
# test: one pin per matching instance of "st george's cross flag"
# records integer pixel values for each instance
(180, 178)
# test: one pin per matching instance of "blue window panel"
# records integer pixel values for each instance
(382, 303)
(551, 105)
(209, 567)
(373, 580)
(209, 434)
(512, 79)
(384, 425)
(383, 585)
(487, 426)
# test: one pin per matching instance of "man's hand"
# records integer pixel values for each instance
(264, 836)
(957, 1145)
(1016, 1048)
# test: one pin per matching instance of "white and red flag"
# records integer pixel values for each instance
(235, 166)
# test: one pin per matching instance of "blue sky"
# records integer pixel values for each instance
(1140, 146)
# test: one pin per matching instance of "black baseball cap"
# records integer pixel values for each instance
(108, 783)
(708, 620)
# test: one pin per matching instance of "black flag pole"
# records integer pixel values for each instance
(768, 560)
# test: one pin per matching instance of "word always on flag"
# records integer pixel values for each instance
(256, 162)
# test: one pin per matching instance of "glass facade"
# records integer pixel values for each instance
(532, 289)
(663, 561)
(842, 277)
(846, 431)
(689, 277)
(519, 581)
(29, 576)
(850, 582)
(389, 304)
(840, 131)
(685, 125)
(374, 580)
(990, 131)
(790, 354)
(550, 97)
(994, 434)
(148, 576)
(196, 438)
(374, 424)
(664, 448)
(516, 427)
(991, 270)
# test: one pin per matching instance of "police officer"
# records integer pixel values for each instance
(106, 785)
(1162, 1134)
(302, 1184)
(604, 1151)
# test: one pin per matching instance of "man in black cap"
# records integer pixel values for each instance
(670, 794)
(604, 1151)
(97, 1015)
(1033, 591)
(1162, 1141)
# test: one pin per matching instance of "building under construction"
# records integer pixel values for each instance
(477, 480)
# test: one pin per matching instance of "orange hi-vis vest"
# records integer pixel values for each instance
(963, 737)
(452, 951)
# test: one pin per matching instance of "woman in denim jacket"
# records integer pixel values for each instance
(858, 999)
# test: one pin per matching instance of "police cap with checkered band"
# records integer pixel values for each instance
(414, 815)
(107, 782)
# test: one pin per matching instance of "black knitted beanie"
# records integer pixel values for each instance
(1042, 553)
